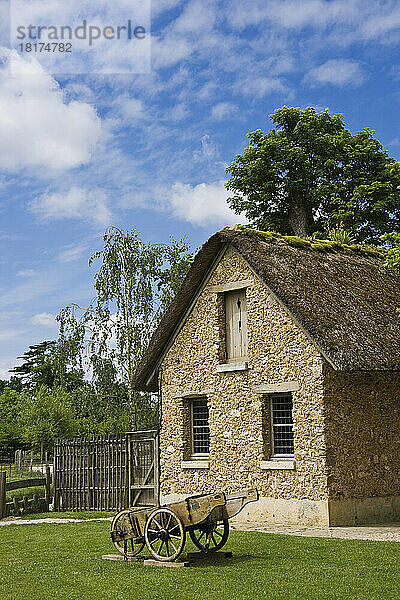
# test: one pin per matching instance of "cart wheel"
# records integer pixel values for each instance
(165, 534)
(121, 523)
(210, 536)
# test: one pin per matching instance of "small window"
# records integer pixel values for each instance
(282, 425)
(235, 325)
(200, 427)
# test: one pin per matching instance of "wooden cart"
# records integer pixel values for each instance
(163, 529)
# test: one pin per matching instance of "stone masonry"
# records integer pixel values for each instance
(363, 452)
(341, 421)
(278, 351)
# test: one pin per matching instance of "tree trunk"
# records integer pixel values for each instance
(301, 219)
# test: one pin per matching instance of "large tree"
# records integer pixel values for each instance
(310, 174)
(45, 416)
(49, 363)
(37, 366)
(134, 284)
(11, 436)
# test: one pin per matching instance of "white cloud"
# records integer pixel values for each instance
(178, 112)
(223, 110)
(130, 110)
(160, 6)
(317, 13)
(44, 320)
(117, 54)
(209, 149)
(259, 87)
(203, 204)
(6, 335)
(42, 130)
(81, 91)
(198, 16)
(293, 14)
(72, 253)
(168, 51)
(76, 203)
(383, 22)
(336, 72)
(26, 273)
(5, 365)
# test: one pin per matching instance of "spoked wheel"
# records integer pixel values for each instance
(210, 536)
(164, 534)
(121, 525)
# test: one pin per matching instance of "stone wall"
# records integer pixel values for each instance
(363, 450)
(278, 352)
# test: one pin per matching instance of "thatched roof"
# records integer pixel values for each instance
(342, 296)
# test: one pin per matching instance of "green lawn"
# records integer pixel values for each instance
(88, 514)
(38, 562)
(15, 474)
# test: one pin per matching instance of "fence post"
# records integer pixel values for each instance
(3, 500)
(17, 510)
(156, 450)
(55, 475)
(47, 487)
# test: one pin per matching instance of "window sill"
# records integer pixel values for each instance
(195, 464)
(234, 366)
(278, 464)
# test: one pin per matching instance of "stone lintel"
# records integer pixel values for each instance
(194, 394)
(234, 285)
(275, 388)
(275, 465)
(234, 366)
(195, 464)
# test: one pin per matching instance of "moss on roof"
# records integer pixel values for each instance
(320, 245)
(342, 296)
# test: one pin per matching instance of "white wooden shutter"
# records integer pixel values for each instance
(236, 324)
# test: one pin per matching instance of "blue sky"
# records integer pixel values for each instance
(82, 152)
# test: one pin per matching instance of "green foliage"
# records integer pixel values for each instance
(28, 492)
(393, 256)
(14, 383)
(134, 284)
(46, 416)
(36, 368)
(50, 363)
(309, 173)
(47, 396)
(10, 429)
(315, 242)
(341, 236)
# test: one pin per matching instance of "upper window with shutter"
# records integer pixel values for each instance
(236, 325)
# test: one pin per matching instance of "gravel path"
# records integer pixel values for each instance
(14, 521)
(381, 533)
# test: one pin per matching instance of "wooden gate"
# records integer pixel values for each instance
(107, 472)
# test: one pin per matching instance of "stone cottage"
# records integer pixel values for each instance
(278, 365)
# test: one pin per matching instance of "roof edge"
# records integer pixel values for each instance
(145, 379)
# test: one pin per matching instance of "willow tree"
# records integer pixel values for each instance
(133, 285)
(309, 174)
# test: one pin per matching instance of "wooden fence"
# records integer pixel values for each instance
(25, 460)
(106, 473)
(22, 506)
